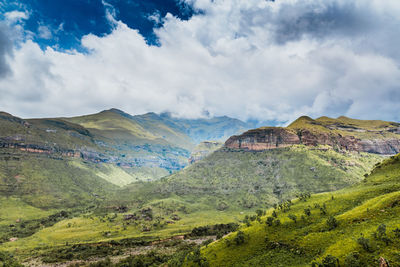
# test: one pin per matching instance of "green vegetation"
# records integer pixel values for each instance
(360, 225)
(235, 179)
(89, 187)
(50, 183)
(7, 260)
(363, 129)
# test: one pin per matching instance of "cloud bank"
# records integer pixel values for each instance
(242, 58)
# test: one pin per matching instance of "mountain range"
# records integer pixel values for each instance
(112, 177)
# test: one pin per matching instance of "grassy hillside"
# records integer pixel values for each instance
(147, 146)
(351, 227)
(363, 129)
(245, 179)
(46, 182)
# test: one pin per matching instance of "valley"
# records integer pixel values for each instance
(76, 190)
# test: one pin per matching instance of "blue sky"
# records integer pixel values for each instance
(69, 20)
(249, 59)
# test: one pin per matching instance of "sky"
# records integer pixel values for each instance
(248, 59)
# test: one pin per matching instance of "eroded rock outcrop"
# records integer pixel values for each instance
(384, 141)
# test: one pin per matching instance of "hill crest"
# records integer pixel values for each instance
(372, 136)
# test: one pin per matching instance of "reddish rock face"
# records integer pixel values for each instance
(275, 137)
(262, 139)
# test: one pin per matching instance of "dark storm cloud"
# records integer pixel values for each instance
(311, 19)
(320, 20)
(5, 49)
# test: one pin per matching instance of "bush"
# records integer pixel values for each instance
(330, 261)
(380, 234)
(307, 211)
(353, 260)
(365, 243)
(269, 221)
(7, 260)
(396, 232)
(259, 213)
(331, 222)
(239, 238)
(274, 214)
(222, 205)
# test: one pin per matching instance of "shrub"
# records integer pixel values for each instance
(269, 221)
(222, 205)
(396, 232)
(307, 211)
(380, 234)
(331, 222)
(365, 243)
(239, 238)
(259, 213)
(274, 214)
(330, 261)
(353, 260)
(7, 260)
(195, 257)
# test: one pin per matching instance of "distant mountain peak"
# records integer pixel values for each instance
(114, 110)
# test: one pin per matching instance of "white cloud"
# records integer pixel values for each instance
(16, 16)
(44, 32)
(242, 58)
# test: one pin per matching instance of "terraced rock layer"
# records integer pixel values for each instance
(355, 135)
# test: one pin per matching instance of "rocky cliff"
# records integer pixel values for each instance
(377, 137)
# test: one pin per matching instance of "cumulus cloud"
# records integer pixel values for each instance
(242, 58)
(16, 16)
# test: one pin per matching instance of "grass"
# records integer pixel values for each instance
(49, 183)
(13, 209)
(249, 179)
(91, 228)
(362, 129)
(359, 211)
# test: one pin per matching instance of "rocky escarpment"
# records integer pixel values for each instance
(89, 155)
(385, 142)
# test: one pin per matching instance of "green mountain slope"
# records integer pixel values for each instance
(146, 147)
(249, 179)
(152, 140)
(64, 162)
(351, 227)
